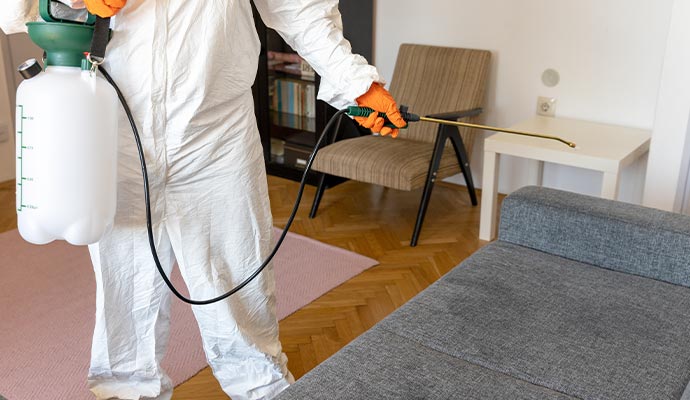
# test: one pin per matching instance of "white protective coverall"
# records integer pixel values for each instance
(186, 68)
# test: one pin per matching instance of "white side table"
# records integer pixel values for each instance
(600, 147)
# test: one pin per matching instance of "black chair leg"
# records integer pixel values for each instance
(464, 162)
(429, 185)
(320, 188)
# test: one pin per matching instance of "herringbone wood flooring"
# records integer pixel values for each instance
(8, 216)
(368, 220)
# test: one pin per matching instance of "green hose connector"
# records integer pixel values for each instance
(355, 111)
(364, 112)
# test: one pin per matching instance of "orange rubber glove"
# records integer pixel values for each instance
(104, 8)
(380, 100)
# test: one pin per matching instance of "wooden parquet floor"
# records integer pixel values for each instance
(368, 220)
(8, 214)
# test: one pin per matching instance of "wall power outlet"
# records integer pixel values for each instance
(546, 106)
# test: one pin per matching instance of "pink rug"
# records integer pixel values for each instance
(47, 312)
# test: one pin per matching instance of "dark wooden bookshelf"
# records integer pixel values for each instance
(299, 133)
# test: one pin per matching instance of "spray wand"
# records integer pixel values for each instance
(409, 117)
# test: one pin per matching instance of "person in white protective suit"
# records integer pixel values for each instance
(186, 68)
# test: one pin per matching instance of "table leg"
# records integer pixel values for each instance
(536, 172)
(609, 187)
(487, 224)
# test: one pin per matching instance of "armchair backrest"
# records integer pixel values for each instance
(433, 80)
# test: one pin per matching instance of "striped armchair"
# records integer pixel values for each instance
(447, 83)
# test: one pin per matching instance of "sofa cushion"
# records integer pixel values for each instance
(382, 365)
(574, 328)
(610, 234)
(512, 322)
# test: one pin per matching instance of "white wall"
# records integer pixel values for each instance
(685, 189)
(670, 149)
(609, 54)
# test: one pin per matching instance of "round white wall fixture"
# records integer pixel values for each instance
(550, 77)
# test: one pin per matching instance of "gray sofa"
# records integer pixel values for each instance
(579, 298)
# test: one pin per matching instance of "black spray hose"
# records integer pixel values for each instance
(147, 199)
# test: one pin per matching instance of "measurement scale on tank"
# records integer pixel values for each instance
(21, 179)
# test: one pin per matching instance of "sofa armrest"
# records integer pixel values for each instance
(605, 233)
(456, 115)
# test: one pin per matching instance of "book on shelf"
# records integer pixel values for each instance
(293, 97)
(293, 121)
(290, 63)
(284, 57)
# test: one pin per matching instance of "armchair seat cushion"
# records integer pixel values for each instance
(395, 163)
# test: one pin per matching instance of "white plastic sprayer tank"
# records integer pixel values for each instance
(66, 154)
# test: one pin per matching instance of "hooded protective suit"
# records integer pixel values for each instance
(186, 68)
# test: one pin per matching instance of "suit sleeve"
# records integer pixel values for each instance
(314, 29)
(14, 14)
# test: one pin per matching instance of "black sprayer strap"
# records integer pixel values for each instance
(101, 35)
